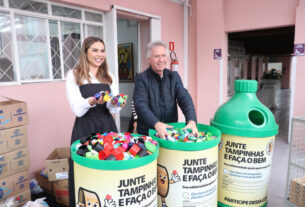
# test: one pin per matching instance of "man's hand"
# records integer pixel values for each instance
(135, 124)
(161, 129)
(193, 126)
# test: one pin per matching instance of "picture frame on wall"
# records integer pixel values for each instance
(125, 60)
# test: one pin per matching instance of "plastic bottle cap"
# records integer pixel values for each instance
(248, 86)
(150, 147)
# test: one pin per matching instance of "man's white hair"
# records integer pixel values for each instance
(154, 44)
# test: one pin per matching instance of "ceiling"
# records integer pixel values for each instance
(276, 41)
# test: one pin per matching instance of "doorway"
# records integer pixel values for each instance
(265, 56)
(128, 65)
(134, 31)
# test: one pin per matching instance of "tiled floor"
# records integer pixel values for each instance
(278, 101)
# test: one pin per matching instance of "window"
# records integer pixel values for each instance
(55, 49)
(32, 47)
(29, 5)
(66, 12)
(41, 40)
(93, 17)
(95, 30)
(71, 44)
(7, 73)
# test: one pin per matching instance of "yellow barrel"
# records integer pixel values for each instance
(115, 183)
(187, 171)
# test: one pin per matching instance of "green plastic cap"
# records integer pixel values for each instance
(246, 86)
(244, 115)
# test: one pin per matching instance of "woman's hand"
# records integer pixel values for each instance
(101, 100)
(92, 101)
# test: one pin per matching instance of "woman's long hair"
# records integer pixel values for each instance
(81, 72)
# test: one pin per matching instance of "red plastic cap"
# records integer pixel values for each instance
(134, 150)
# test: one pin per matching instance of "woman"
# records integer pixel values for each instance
(82, 83)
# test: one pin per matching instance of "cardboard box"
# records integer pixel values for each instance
(24, 197)
(57, 164)
(12, 139)
(297, 191)
(13, 113)
(13, 162)
(44, 183)
(61, 191)
(14, 184)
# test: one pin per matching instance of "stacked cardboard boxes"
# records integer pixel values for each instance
(57, 166)
(14, 153)
(297, 191)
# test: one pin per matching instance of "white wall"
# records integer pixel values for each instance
(128, 33)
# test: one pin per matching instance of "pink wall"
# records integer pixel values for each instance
(210, 35)
(241, 15)
(145, 38)
(299, 109)
(192, 48)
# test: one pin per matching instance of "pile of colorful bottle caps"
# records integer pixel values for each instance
(115, 146)
(118, 100)
(186, 135)
(105, 94)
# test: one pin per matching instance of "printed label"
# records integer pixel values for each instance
(62, 175)
(132, 187)
(244, 170)
(187, 178)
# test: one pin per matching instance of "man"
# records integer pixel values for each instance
(157, 92)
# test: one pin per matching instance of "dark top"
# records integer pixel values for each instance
(156, 99)
(97, 119)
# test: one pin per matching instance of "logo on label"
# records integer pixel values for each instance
(3, 122)
(269, 147)
(17, 131)
(17, 142)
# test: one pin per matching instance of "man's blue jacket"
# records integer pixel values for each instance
(156, 99)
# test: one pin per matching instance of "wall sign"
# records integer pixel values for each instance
(217, 54)
(299, 49)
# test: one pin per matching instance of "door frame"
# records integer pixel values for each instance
(112, 41)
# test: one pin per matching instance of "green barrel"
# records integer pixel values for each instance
(187, 171)
(245, 156)
(115, 183)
